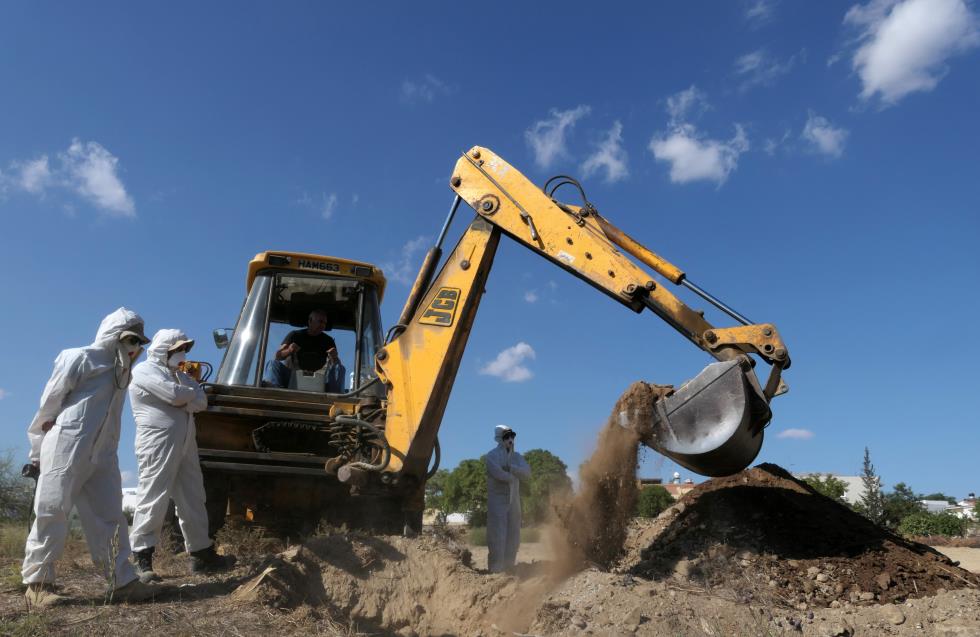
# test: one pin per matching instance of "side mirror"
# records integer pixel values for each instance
(222, 336)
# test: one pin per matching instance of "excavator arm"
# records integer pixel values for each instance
(713, 424)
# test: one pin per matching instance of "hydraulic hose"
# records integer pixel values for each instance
(382, 442)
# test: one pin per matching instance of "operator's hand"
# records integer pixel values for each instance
(46, 427)
(286, 350)
(332, 355)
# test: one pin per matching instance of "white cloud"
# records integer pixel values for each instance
(531, 296)
(404, 268)
(610, 156)
(758, 68)
(329, 205)
(760, 10)
(35, 175)
(691, 155)
(87, 168)
(795, 434)
(824, 136)
(128, 478)
(695, 158)
(355, 199)
(424, 90)
(546, 137)
(3, 393)
(905, 44)
(508, 364)
(686, 105)
(91, 171)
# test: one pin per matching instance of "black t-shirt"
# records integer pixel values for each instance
(312, 354)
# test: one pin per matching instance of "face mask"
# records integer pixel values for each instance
(176, 359)
(130, 349)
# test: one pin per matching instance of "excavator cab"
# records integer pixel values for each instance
(280, 302)
(264, 446)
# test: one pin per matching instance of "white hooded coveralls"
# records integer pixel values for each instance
(505, 471)
(164, 403)
(78, 456)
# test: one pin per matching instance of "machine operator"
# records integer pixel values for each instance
(308, 349)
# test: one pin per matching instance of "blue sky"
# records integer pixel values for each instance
(813, 164)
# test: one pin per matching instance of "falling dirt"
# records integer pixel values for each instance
(592, 526)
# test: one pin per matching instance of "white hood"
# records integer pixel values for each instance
(115, 324)
(163, 340)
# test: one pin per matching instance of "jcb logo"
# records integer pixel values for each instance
(442, 308)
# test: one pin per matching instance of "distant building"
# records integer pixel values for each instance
(676, 488)
(853, 485)
(935, 506)
(129, 499)
(967, 508)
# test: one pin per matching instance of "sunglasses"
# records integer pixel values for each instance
(131, 341)
(510, 435)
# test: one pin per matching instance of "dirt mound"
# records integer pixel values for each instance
(768, 537)
(382, 584)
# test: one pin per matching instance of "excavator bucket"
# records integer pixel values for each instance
(713, 424)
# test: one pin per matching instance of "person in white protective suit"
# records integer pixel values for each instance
(505, 470)
(74, 442)
(164, 401)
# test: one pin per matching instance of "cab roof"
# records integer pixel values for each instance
(315, 264)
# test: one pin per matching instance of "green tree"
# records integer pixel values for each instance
(465, 490)
(652, 501)
(15, 490)
(435, 494)
(899, 504)
(872, 504)
(924, 523)
(829, 486)
(976, 510)
(549, 477)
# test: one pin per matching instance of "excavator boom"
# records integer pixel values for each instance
(712, 425)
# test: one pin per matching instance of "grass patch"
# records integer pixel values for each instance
(30, 625)
(13, 537)
(248, 543)
(477, 536)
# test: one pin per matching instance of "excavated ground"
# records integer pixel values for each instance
(756, 553)
(715, 564)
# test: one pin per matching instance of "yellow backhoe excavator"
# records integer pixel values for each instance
(360, 453)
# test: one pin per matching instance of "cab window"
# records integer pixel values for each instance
(279, 307)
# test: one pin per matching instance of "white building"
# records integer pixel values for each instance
(935, 506)
(129, 498)
(853, 486)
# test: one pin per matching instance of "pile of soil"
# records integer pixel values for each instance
(381, 584)
(769, 537)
